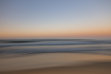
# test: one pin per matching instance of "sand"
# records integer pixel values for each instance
(95, 68)
(57, 63)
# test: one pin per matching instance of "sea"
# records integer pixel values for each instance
(10, 48)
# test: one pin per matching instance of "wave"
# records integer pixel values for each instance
(46, 42)
(55, 46)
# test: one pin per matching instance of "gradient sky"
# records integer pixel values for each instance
(55, 18)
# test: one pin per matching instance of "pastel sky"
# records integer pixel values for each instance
(55, 18)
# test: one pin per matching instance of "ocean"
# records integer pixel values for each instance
(20, 47)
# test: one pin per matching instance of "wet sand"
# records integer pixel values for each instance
(57, 63)
(95, 68)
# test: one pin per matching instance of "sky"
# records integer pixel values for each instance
(55, 18)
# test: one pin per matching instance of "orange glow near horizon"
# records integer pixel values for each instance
(59, 33)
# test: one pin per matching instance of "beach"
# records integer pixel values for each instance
(57, 63)
(96, 68)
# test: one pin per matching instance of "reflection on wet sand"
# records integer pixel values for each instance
(50, 60)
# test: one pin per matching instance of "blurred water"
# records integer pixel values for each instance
(26, 47)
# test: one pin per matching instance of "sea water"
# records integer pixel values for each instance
(16, 48)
